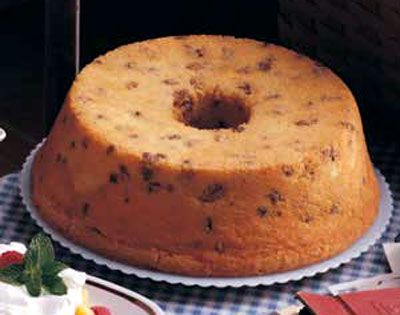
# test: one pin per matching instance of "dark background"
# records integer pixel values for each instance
(111, 26)
(27, 108)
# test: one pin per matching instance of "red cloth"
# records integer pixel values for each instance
(323, 304)
(379, 302)
(374, 302)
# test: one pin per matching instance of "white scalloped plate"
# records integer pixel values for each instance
(361, 246)
(119, 300)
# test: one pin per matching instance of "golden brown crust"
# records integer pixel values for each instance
(289, 185)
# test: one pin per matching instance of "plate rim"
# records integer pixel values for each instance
(115, 288)
(362, 245)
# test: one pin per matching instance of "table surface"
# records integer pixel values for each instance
(16, 225)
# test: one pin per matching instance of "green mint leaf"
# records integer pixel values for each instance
(21, 278)
(11, 274)
(31, 259)
(41, 268)
(33, 281)
(53, 269)
(55, 285)
(40, 250)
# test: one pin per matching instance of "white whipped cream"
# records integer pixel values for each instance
(15, 300)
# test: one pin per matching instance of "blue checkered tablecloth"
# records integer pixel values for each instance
(16, 224)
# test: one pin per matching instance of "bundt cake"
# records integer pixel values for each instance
(207, 156)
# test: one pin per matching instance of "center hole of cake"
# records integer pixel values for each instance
(210, 111)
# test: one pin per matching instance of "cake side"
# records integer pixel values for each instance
(205, 242)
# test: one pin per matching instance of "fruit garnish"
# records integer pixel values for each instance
(11, 258)
(39, 269)
(83, 310)
(100, 310)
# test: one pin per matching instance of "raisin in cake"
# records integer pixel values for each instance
(208, 156)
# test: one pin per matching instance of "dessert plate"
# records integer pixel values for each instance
(118, 299)
(361, 246)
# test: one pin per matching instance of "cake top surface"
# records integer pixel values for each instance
(231, 102)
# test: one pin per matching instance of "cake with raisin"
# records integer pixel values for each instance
(208, 156)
